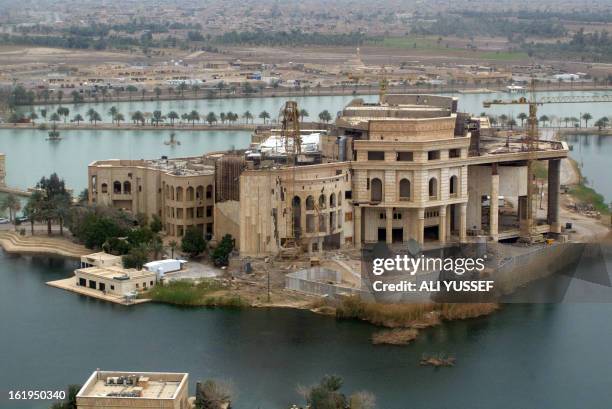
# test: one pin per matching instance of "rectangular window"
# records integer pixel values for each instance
(209, 211)
(376, 155)
(433, 155)
(348, 194)
(404, 157)
(454, 153)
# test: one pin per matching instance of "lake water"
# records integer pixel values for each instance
(30, 156)
(525, 356)
(593, 154)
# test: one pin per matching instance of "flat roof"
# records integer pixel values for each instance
(114, 272)
(144, 385)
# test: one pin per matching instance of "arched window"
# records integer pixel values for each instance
(322, 202)
(127, 187)
(453, 186)
(376, 190)
(433, 188)
(296, 205)
(104, 188)
(310, 203)
(190, 193)
(209, 192)
(200, 192)
(167, 192)
(116, 186)
(332, 200)
(172, 192)
(339, 198)
(404, 189)
(179, 194)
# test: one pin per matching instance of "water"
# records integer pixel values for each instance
(554, 354)
(29, 156)
(593, 153)
(315, 104)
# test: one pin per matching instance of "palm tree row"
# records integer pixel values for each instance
(550, 121)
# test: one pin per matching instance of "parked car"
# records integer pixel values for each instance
(4, 220)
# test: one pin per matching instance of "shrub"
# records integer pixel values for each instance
(193, 242)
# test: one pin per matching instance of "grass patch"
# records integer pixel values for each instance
(586, 195)
(398, 336)
(540, 170)
(206, 293)
(409, 315)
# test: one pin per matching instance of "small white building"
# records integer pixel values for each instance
(161, 267)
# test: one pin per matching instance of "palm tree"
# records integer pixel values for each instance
(194, 116)
(247, 116)
(566, 119)
(522, 116)
(119, 118)
(138, 117)
(131, 89)
(325, 116)
(63, 111)
(172, 116)
(222, 116)
(13, 204)
(93, 115)
(602, 122)
(157, 116)
(33, 117)
(503, 118)
(157, 91)
(77, 118)
(173, 245)
(211, 118)
(511, 123)
(544, 119)
(60, 96)
(587, 117)
(54, 118)
(43, 113)
(113, 112)
(303, 114)
(264, 115)
(182, 87)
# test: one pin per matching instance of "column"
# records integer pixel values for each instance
(420, 226)
(389, 227)
(442, 225)
(463, 222)
(494, 204)
(357, 226)
(554, 180)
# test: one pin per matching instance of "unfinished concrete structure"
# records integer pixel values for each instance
(408, 167)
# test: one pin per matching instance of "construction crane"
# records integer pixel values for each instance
(531, 145)
(291, 139)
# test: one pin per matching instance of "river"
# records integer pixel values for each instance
(524, 356)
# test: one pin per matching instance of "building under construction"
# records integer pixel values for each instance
(407, 167)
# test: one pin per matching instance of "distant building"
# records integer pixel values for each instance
(135, 390)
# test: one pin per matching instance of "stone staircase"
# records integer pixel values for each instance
(15, 243)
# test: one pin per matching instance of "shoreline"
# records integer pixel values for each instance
(105, 126)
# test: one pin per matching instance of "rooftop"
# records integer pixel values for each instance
(133, 385)
(115, 272)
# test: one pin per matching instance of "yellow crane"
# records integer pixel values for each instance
(531, 141)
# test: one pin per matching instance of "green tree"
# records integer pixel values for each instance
(303, 114)
(193, 242)
(131, 89)
(222, 117)
(158, 92)
(544, 119)
(138, 117)
(173, 116)
(586, 117)
(213, 395)
(76, 97)
(602, 122)
(156, 224)
(173, 246)
(194, 116)
(13, 204)
(136, 257)
(71, 401)
(522, 116)
(43, 113)
(113, 112)
(78, 119)
(248, 116)
(211, 118)
(54, 195)
(325, 116)
(220, 255)
(54, 117)
(264, 115)
(327, 395)
(157, 117)
(33, 117)
(32, 209)
(63, 111)
(119, 118)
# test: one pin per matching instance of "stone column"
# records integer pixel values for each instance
(494, 204)
(357, 226)
(420, 234)
(463, 222)
(442, 225)
(389, 227)
(554, 180)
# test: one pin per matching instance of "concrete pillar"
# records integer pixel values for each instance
(463, 222)
(494, 204)
(554, 180)
(420, 226)
(389, 227)
(442, 225)
(357, 226)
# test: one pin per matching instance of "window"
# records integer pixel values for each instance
(404, 189)
(104, 188)
(433, 155)
(339, 198)
(179, 194)
(116, 187)
(454, 153)
(200, 212)
(348, 194)
(200, 192)
(433, 188)
(209, 191)
(127, 187)
(332, 200)
(310, 203)
(376, 190)
(112, 287)
(404, 157)
(209, 211)
(397, 216)
(376, 155)
(453, 186)
(151, 283)
(190, 193)
(322, 202)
